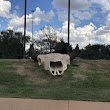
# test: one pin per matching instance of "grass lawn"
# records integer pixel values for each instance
(87, 80)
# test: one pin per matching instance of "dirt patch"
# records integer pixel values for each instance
(30, 70)
(22, 67)
(35, 80)
(80, 76)
(81, 71)
(84, 66)
(102, 64)
(20, 70)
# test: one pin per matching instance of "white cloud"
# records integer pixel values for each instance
(105, 29)
(17, 7)
(63, 16)
(81, 4)
(75, 4)
(83, 15)
(103, 38)
(104, 3)
(84, 35)
(103, 32)
(80, 10)
(19, 21)
(16, 22)
(38, 15)
(5, 7)
(107, 22)
(43, 15)
(79, 35)
(28, 33)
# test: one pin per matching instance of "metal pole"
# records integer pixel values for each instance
(32, 24)
(68, 25)
(24, 41)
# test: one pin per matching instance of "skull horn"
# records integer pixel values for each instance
(32, 52)
(74, 53)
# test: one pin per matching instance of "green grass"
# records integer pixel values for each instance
(87, 80)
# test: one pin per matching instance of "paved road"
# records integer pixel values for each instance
(40, 104)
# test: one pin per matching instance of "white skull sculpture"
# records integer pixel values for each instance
(56, 63)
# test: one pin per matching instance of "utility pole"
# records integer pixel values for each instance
(32, 24)
(68, 25)
(24, 40)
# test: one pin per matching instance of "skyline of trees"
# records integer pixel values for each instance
(11, 45)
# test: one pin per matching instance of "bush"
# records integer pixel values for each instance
(96, 51)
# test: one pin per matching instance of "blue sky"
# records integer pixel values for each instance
(90, 19)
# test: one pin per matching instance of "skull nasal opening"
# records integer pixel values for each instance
(56, 64)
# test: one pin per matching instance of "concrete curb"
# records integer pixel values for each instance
(42, 104)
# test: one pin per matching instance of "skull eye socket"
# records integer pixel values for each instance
(60, 71)
(56, 64)
(53, 72)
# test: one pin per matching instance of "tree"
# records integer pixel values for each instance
(96, 51)
(62, 47)
(47, 39)
(11, 44)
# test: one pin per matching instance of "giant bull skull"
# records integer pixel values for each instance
(56, 63)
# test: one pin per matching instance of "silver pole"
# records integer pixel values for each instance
(24, 40)
(68, 25)
(32, 24)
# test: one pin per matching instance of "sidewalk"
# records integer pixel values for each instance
(40, 104)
